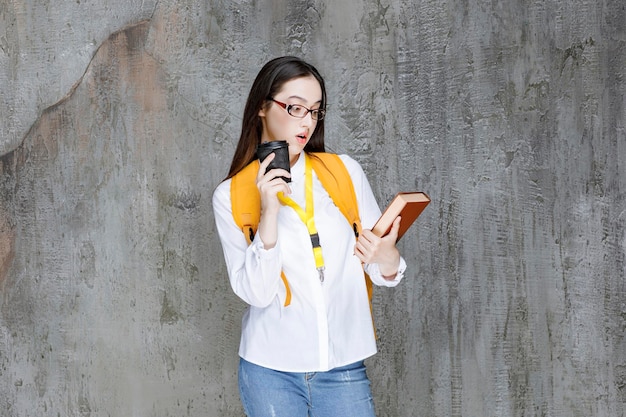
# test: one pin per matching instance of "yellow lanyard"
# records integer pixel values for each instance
(307, 216)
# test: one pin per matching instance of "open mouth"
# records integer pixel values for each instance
(301, 139)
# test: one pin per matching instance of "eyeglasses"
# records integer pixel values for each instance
(299, 111)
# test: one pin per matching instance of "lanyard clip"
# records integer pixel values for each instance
(320, 270)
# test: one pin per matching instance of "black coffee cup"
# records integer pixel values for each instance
(281, 149)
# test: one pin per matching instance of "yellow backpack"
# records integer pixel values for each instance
(334, 176)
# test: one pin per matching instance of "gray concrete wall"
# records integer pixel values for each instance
(118, 119)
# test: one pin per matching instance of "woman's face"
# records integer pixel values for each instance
(278, 124)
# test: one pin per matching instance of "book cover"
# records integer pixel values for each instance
(407, 205)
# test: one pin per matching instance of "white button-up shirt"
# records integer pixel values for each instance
(327, 324)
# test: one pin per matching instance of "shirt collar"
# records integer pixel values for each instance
(297, 171)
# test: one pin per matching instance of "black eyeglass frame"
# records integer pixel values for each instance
(316, 114)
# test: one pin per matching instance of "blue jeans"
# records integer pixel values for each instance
(343, 391)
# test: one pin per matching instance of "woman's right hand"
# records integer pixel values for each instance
(269, 185)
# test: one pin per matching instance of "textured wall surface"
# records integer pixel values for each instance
(118, 119)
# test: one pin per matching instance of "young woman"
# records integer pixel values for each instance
(305, 357)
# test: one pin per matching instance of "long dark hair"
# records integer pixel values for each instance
(268, 82)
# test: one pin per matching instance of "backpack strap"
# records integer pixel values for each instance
(335, 178)
(246, 206)
(246, 200)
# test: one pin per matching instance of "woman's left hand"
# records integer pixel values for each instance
(372, 249)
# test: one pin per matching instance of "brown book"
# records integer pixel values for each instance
(406, 205)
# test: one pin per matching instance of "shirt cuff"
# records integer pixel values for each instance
(378, 279)
(264, 254)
